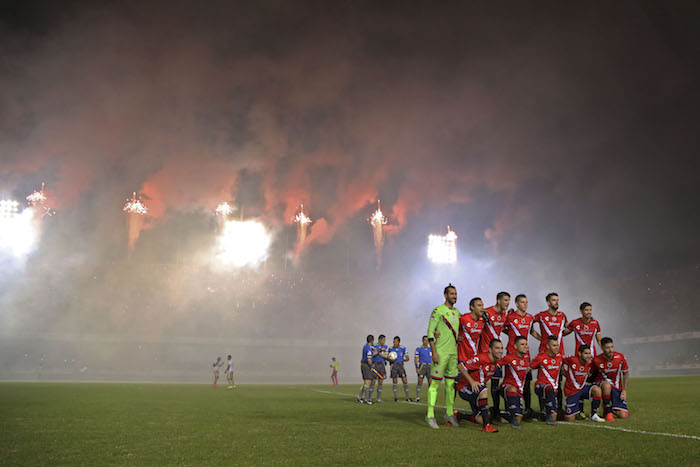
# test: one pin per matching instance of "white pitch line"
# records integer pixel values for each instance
(605, 427)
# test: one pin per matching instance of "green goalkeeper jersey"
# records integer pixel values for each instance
(446, 344)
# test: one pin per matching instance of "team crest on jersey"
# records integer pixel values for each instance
(499, 317)
(585, 327)
(554, 320)
(522, 362)
(609, 364)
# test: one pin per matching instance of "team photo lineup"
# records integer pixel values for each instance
(467, 352)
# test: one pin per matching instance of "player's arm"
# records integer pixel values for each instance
(625, 385)
(535, 362)
(535, 334)
(598, 338)
(432, 325)
(465, 374)
(416, 358)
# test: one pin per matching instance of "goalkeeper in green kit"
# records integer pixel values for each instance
(442, 335)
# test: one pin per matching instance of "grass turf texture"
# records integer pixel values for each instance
(108, 423)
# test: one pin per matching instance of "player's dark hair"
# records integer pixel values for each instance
(370, 338)
(494, 341)
(552, 338)
(605, 340)
(518, 339)
(449, 286)
(424, 337)
(584, 305)
(519, 296)
(550, 295)
(473, 301)
(583, 347)
(381, 336)
(397, 337)
(500, 295)
(229, 356)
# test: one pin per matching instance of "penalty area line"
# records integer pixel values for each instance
(605, 427)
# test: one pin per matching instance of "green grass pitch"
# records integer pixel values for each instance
(189, 424)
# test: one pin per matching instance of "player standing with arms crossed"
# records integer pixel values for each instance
(612, 376)
(495, 319)
(553, 323)
(444, 321)
(519, 324)
(548, 366)
(397, 368)
(422, 358)
(584, 329)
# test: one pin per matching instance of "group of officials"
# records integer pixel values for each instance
(466, 351)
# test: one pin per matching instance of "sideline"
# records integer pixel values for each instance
(605, 427)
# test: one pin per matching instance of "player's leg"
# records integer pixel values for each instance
(450, 377)
(395, 382)
(496, 395)
(381, 368)
(437, 372)
(560, 395)
(527, 395)
(596, 398)
(515, 410)
(572, 406)
(619, 406)
(606, 389)
(216, 377)
(404, 380)
(419, 385)
(547, 397)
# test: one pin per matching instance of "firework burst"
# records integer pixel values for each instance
(378, 221)
(303, 222)
(136, 211)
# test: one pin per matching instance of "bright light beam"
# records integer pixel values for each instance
(18, 231)
(242, 244)
(443, 249)
(378, 221)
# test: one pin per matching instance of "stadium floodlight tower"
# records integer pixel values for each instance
(442, 249)
(8, 209)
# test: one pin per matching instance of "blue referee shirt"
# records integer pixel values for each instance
(380, 349)
(400, 352)
(366, 352)
(424, 355)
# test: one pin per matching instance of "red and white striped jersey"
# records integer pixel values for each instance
(585, 334)
(576, 374)
(610, 370)
(492, 328)
(515, 370)
(551, 326)
(548, 369)
(470, 330)
(517, 326)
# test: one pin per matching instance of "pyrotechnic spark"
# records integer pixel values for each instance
(136, 210)
(242, 243)
(302, 221)
(37, 197)
(224, 209)
(378, 221)
(443, 249)
(135, 206)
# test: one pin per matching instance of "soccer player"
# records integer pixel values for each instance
(552, 323)
(471, 385)
(334, 375)
(217, 366)
(519, 324)
(548, 366)
(422, 359)
(444, 321)
(398, 370)
(613, 378)
(495, 319)
(576, 368)
(379, 364)
(470, 327)
(368, 375)
(584, 329)
(515, 367)
(229, 373)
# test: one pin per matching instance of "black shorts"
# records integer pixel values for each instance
(397, 370)
(367, 373)
(380, 367)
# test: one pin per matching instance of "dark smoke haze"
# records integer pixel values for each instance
(559, 141)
